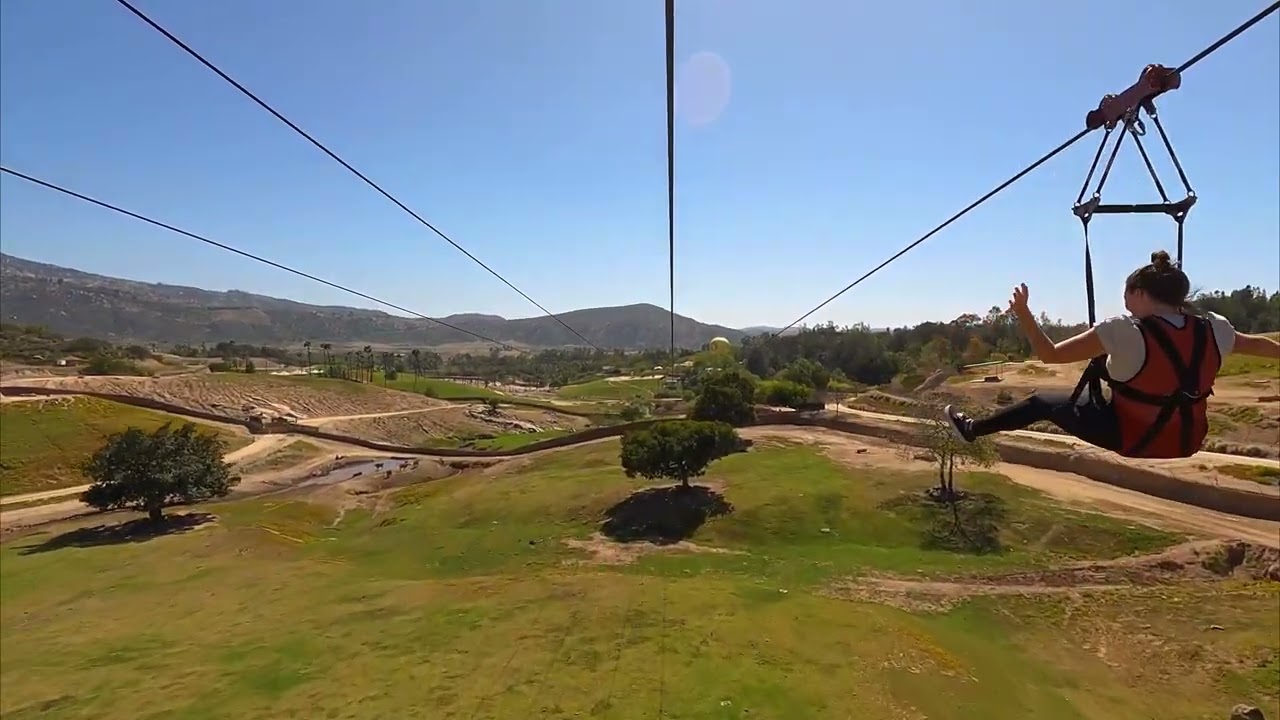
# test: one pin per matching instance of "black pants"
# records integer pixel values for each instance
(1094, 424)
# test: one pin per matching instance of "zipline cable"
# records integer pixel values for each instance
(1262, 15)
(1044, 159)
(671, 167)
(1184, 66)
(245, 91)
(243, 253)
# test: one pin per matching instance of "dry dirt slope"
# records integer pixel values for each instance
(461, 423)
(239, 395)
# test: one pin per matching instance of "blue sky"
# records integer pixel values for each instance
(533, 132)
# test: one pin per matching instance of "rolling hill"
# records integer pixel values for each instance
(76, 303)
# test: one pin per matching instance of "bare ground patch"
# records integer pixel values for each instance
(1200, 561)
(241, 396)
(368, 483)
(604, 551)
(450, 425)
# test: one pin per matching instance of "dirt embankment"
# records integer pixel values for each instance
(1244, 410)
(1200, 561)
(1070, 488)
(461, 422)
(241, 397)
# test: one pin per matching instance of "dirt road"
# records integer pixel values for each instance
(318, 421)
(1149, 510)
(260, 445)
(1069, 440)
(1068, 487)
(1063, 485)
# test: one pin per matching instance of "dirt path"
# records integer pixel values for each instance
(1069, 440)
(1074, 489)
(1066, 486)
(1149, 510)
(254, 484)
(318, 421)
(260, 445)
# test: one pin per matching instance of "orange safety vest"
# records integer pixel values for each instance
(1162, 410)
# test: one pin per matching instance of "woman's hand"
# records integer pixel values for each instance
(1018, 303)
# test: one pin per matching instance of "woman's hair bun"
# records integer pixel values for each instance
(1160, 260)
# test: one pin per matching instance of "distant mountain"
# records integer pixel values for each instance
(76, 303)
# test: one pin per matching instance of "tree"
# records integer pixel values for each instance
(806, 372)
(634, 411)
(328, 358)
(784, 393)
(367, 362)
(148, 471)
(937, 353)
(676, 449)
(726, 396)
(976, 351)
(249, 367)
(307, 345)
(950, 452)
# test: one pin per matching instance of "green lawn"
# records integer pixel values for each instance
(511, 441)
(1237, 365)
(611, 390)
(42, 442)
(462, 601)
(508, 441)
(1261, 474)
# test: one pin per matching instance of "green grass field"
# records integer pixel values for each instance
(41, 443)
(1237, 365)
(506, 441)
(611, 390)
(1261, 474)
(463, 602)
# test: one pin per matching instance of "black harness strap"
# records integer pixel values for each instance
(1188, 394)
(1131, 124)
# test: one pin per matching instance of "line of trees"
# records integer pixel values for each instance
(874, 357)
(854, 354)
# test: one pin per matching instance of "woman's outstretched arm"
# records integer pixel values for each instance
(1085, 346)
(1257, 345)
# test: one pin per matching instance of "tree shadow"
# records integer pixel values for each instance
(663, 515)
(132, 531)
(959, 522)
(968, 523)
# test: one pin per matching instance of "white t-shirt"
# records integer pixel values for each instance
(1127, 350)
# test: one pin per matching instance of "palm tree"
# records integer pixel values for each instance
(307, 345)
(368, 362)
(416, 356)
(328, 359)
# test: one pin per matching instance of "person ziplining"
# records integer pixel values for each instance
(1161, 360)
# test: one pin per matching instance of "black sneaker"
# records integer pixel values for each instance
(961, 424)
